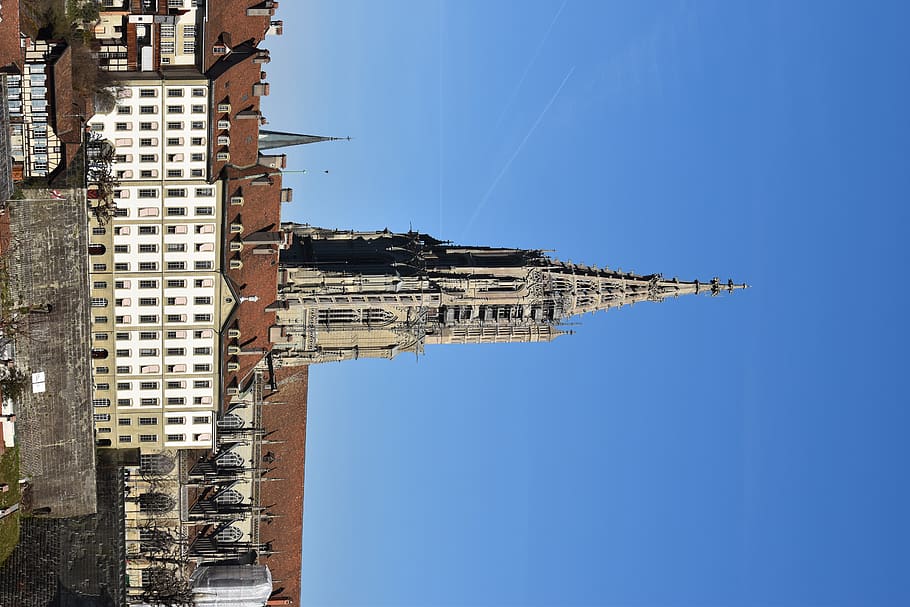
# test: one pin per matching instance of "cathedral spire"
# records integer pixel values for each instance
(269, 140)
(350, 294)
(580, 289)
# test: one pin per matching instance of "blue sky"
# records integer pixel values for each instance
(740, 450)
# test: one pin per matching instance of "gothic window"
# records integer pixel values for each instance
(156, 502)
(231, 421)
(228, 497)
(155, 463)
(228, 534)
(377, 316)
(229, 459)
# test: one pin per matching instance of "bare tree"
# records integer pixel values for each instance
(101, 178)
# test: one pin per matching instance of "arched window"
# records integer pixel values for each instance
(228, 534)
(155, 463)
(156, 502)
(231, 421)
(377, 316)
(229, 459)
(228, 497)
(99, 353)
(96, 249)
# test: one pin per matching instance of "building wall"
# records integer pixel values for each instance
(158, 294)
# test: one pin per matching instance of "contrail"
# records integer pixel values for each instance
(440, 108)
(530, 65)
(483, 201)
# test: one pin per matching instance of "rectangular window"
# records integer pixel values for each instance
(202, 383)
(202, 318)
(102, 386)
(201, 419)
(176, 351)
(147, 126)
(197, 125)
(202, 368)
(177, 193)
(197, 141)
(176, 318)
(148, 318)
(197, 157)
(123, 126)
(148, 301)
(100, 320)
(147, 157)
(205, 211)
(122, 336)
(175, 401)
(148, 421)
(99, 284)
(196, 173)
(174, 385)
(175, 421)
(174, 173)
(123, 353)
(148, 193)
(148, 248)
(176, 437)
(175, 109)
(148, 109)
(174, 126)
(103, 430)
(176, 247)
(146, 143)
(99, 267)
(198, 109)
(124, 385)
(174, 141)
(101, 336)
(148, 265)
(124, 421)
(204, 265)
(121, 248)
(148, 402)
(148, 229)
(102, 417)
(148, 385)
(175, 283)
(148, 438)
(119, 284)
(122, 266)
(125, 438)
(202, 351)
(124, 369)
(171, 93)
(102, 370)
(176, 265)
(146, 352)
(175, 211)
(202, 301)
(98, 231)
(198, 92)
(148, 93)
(124, 110)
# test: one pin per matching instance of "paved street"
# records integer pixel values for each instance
(48, 266)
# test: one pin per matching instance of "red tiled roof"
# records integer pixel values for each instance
(229, 24)
(284, 416)
(235, 87)
(10, 50)
(261, 212)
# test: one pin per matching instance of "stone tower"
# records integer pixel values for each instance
(345, 295)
